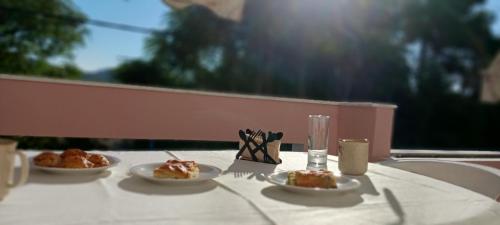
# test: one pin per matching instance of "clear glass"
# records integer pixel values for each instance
(317, 142)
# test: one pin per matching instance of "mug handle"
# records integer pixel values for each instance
(25, 169)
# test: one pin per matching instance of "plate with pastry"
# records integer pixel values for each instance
(312, 182)
(176, 171)
(73, 161)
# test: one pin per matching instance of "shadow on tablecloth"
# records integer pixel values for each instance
(367, 186)
(338, 200)
(141, 186)
(249, 169)
(42, 177)
(395, 206)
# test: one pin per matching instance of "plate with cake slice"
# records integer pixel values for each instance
(313, 182)
(176, 171)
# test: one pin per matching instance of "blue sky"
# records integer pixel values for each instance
(494, 6)
(105, 48)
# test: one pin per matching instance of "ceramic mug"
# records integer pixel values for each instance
(353, 156)
(7, 161)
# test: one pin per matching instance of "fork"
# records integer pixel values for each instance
(256, 134)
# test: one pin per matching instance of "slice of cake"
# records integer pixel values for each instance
(177, 169)
(308, 178)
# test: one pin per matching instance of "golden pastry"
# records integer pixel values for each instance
(98, 160)
(76, 162)
(73, 152)
(177, 169)
(71, 158)
(308, 178)
(48, 159)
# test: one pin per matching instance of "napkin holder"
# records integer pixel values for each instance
(259, 146)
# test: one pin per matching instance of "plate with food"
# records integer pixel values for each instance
(73, 161)
(311, 182)
(176, 171)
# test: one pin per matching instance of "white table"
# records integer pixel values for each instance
(387, 196)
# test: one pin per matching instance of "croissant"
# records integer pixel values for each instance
(76, 161)
(47, 159)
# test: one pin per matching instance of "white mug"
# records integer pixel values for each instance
(7, 153)
(353, 156)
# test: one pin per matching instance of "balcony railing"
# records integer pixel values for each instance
(62, 108)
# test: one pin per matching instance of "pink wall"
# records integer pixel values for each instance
(372, 123)
(43, 107)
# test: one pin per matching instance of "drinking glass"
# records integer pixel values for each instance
(317, 142)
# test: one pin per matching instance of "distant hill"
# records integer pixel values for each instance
(103, 75)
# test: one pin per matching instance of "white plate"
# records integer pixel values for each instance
(113, 161)
(145, 171)
(343, 184)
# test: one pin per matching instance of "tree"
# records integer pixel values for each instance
(34, 32)
(147, 73)
(279, 50)
(455, 42)
(345, 50)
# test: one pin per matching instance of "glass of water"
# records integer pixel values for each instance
(317, 142)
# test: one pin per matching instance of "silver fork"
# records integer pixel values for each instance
(256, 134)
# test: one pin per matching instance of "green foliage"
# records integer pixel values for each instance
(280, 50)
(454, 37)
(34, 32)
(140, 72)
(147, 73)
(342, 50)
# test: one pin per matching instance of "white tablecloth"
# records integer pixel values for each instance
(387, 196)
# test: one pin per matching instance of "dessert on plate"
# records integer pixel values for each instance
(71, 158)
(98, 160)
(73, 152)
(75, 162)
(309, 178)
(47, 159)
(177, 169)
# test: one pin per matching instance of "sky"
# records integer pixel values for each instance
(494, 6)
(106, 48)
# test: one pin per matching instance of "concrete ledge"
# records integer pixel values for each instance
(194, 92)
(406, 153)
(485, 158)
(66, 108)
(479, 178)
